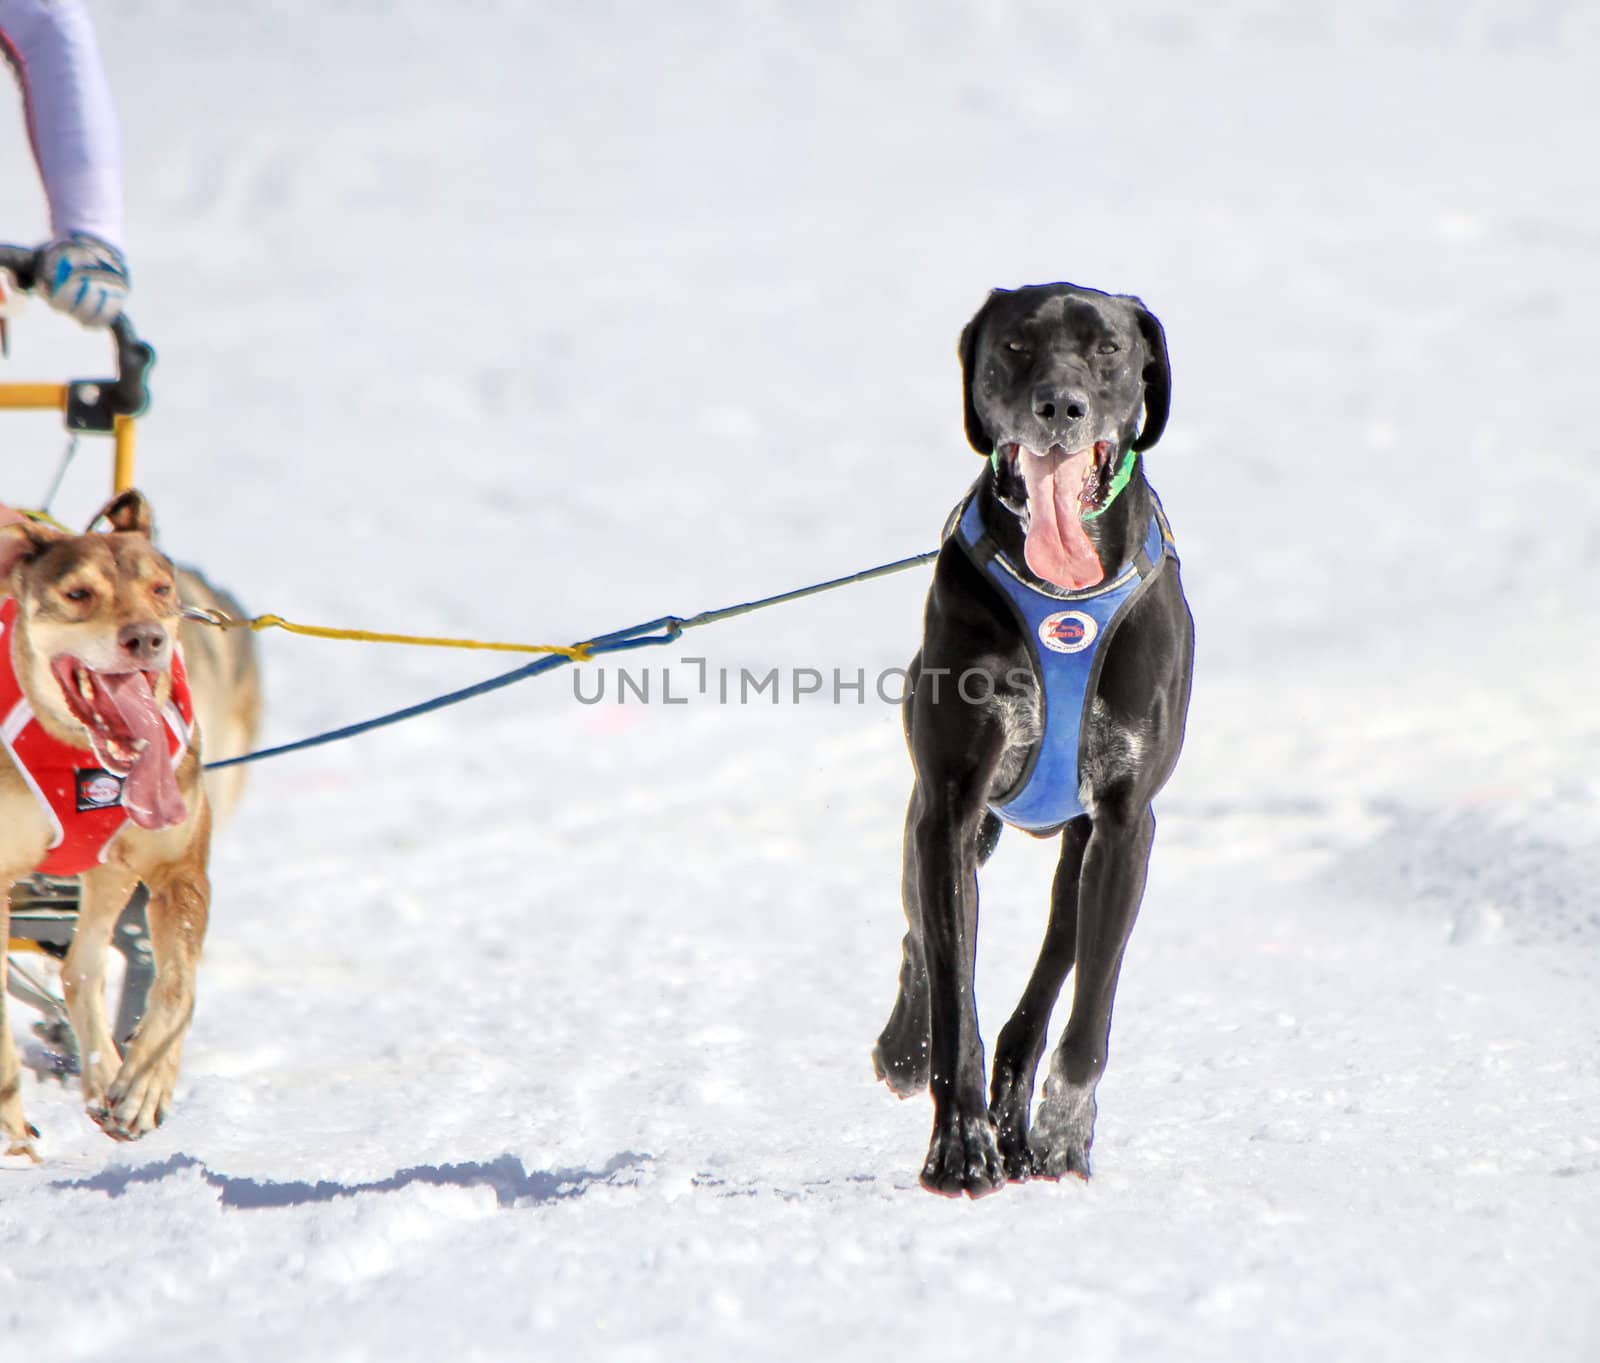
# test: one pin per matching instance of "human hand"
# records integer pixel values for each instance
(84, 277)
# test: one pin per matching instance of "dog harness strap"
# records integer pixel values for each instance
(1067, 634)
(81, 800)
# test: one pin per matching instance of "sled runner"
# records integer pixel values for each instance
(44, 908)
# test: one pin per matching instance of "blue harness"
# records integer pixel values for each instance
(1067, 634)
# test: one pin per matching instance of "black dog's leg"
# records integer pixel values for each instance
(900, 1058)
(962, 1156)
(1016, 1054)
(1110, 888)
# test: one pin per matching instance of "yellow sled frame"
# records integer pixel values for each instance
(52, 397)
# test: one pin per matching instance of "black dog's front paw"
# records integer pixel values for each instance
(906, 1075)
(963, 1158)
(900, 1058)
(1008, 1110)
(1063, 1132)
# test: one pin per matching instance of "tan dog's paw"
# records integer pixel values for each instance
(99, 1065)
(25, 1149)
(17, 1134)
(137, 1102)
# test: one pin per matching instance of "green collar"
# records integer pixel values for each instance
(1119, 480)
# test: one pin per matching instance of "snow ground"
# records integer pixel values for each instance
(538, 1029)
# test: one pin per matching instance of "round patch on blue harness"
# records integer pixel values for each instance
(1068, 631)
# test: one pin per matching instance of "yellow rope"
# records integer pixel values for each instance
(579, 653)
(42, 517)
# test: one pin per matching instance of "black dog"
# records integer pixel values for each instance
(1050, 692)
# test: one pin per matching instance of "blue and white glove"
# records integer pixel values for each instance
(84, 277)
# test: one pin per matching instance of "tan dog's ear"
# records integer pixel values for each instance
(22, 540)
(128, 513)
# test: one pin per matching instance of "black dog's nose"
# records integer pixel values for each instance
(1059, 404)
(144, 643)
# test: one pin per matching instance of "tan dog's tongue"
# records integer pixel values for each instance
(1057, 548)
(150, 794)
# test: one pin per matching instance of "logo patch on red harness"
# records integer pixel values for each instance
(1067, 631)
(98, 789)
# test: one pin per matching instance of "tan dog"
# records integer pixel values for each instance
(91, 631)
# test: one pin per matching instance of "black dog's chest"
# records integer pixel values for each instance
(1066, 636)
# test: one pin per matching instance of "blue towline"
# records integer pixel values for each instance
(663, 630)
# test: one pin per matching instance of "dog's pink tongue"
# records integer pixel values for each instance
(1057, 549)
(150, 794)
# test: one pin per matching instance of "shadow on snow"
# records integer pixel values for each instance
(513, 1184)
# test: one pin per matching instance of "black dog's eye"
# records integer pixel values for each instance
(1108, 348)
(1017, 347)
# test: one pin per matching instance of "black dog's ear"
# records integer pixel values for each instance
(1157, 378)
(968, 350)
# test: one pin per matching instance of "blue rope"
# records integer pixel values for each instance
(647, 635)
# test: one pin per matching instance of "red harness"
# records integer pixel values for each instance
(82, 800)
